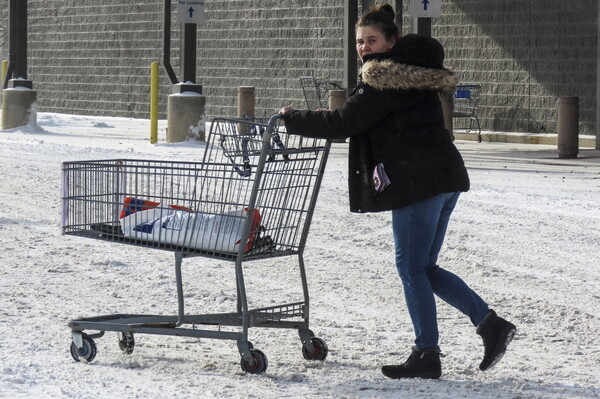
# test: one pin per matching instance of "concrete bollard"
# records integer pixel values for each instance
(337, 98)
(448, 108)
(246, 101)
(568, 127)
(18, 107)
(186, 117)
(246, 106)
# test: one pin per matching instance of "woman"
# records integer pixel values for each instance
(396, 127)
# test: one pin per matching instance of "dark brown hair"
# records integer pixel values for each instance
(382, 18)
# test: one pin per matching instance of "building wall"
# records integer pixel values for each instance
(525, 55)
(94, 57)
(268, 44)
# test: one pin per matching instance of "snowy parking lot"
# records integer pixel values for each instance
(526, 237)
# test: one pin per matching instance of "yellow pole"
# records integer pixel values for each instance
(4, 71)
(154, 102)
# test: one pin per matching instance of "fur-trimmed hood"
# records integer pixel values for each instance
(394, 118)
(389, 74)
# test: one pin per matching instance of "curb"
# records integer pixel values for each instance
(585, 141)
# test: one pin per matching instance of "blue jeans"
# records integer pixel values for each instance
(419, 231)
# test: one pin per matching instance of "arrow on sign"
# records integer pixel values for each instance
(425, 4)
(191, 11)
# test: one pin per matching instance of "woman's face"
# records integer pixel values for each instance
(369, 40)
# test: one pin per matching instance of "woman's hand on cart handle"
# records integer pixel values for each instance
(285, 109)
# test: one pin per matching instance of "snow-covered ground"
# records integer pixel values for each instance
(526, 237)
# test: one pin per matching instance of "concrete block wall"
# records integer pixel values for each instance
(268, 44)
(525, 55)
(94, 57)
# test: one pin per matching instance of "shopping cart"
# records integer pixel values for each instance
(316, 91)
(252, 197)
(466, 106)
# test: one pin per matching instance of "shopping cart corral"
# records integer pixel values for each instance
(252, 197)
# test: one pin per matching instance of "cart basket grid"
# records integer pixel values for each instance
(249, 176)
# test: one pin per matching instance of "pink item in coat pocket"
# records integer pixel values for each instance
(380, 178)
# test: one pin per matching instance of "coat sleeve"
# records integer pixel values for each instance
(360, 112)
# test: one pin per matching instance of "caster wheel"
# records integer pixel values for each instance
(87, 353)
(320, 352)
(126, 343)
(257, 365)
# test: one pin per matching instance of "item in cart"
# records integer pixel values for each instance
(107, 228)
(204, 231)
(132, 205)
(262, 242)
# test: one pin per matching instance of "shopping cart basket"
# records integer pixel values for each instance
(252, 197)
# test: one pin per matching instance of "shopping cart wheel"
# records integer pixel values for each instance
(320, 352)
(257, 365)
(87, 353)
(126, 342)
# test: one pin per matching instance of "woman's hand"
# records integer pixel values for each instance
(285, 109)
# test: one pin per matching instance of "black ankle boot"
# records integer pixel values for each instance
(496, 334)
(422, 363)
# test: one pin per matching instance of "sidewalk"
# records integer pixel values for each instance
(516, 151)
(585, 141)
(521, 154)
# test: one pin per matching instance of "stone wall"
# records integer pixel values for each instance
(268, 44)
(525, 55)
(94, 57)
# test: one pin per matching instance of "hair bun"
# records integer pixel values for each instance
(381, 17)
(385, 9)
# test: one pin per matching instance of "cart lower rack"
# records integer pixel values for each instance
(252, 197)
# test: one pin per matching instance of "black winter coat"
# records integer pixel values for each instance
(393, 117)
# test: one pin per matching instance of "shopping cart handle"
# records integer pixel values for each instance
(275, 137)
(274, 119)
